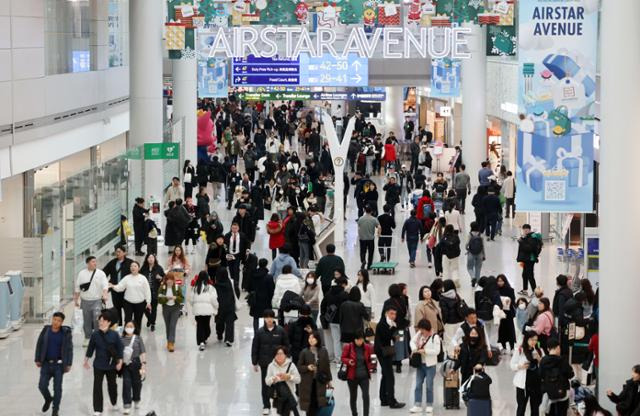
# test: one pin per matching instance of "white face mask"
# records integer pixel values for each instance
(128, 330)
(522, 306)
(310, 281)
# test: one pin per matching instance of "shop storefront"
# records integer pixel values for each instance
(71, 208)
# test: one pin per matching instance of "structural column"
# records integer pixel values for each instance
(146, 107)
(393, 112)
(474, 112)
(619, 262)
(185, 103)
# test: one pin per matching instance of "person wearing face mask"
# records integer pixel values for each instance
(525, 362)
(137, 295)
(311, 295)
(473, 351)
(171, 299)
(134, 368)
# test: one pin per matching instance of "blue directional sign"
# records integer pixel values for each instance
(329, 71)
(304, 71)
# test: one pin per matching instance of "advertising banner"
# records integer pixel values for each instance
(557, 63)
(445, 78)
(212, 78)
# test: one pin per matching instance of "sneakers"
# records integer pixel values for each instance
(136, 405)
(523, 293)
(228, 343)
(415, 409)
(430, 265)
(412, 265)
(396, 405)
(97, 413)
(152, 327)
(126, 411)
(266, 411)
(429, 410)
(115, 408)
(201, 346)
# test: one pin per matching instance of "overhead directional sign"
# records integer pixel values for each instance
(328, 71)
(352, 96)
(305, 70)
(272, 95)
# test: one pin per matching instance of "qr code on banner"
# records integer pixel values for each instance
(555, 190)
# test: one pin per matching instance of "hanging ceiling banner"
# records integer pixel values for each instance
(557, 52)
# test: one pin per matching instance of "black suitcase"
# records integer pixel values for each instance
(451, 398)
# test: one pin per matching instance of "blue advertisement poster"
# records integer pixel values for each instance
(445, 78)
(557, 64)
(212, 78)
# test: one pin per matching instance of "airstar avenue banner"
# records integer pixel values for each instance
(557, 63)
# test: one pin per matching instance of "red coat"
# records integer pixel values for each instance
(276, 238)
(421, 202)
(389, 152)
(349, 353)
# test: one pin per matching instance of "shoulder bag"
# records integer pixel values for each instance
(85, 286)
(342, 372)
(415, 360)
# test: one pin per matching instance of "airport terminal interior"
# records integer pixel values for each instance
(247, 144)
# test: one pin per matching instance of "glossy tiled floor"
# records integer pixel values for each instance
(220, 380)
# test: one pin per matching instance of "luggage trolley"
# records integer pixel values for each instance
(386, 267)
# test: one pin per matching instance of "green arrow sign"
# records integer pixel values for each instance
(271, 95)
(160, 151)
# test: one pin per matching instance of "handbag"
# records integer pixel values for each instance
(388, 351)
(415, 360)
(342, 371)
(431, 241)
(85, 286)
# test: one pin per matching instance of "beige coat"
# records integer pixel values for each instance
(430, 311)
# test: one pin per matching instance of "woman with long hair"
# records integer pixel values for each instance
(154, 274)
(367, 291)
(473, 351)
(525, 362)
(315, 372)
(188, 178)
(543, 323)
(226, 317)
(506, 328)
(204, 304)
(428, 309)
(171, 298)
(275, 229)
(356, 356)
(179, 264)
(216, 256)
(590, 297)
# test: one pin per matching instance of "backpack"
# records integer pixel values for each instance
(532, 245)
(475, 245)
(484, 308)
(426, 210)
(330, 313)
(305, 233)
(461, 308)
(450, 247)
(554, 385)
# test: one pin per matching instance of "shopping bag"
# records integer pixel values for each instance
(78, 321)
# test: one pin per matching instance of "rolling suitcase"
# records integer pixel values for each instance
(451, 393)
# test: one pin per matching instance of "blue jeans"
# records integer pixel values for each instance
(474, 265)
(47, 372)
(424, 373)
(412, 246)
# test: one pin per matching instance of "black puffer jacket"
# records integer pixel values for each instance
(449, 308)
(265, 343)
(262, 285)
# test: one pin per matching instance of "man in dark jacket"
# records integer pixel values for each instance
(233, 180)
(261, 287)
(115, 270)
(415, 153)
(392, 193)
(528, 251)
(492, 210)
(263, 349)
(237, 246)
(299, 331)
(245, 222)
(412, 230)
(139, 213)
(628, 401)
(180, 219)
(387, 225)
(325, 267)
(384, 349)
(562, 295)
(54, 357)
(555, 373)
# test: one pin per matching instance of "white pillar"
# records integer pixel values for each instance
(393, 112)
(145, 74)
(619, 261)
(185, 103)
(474, 113)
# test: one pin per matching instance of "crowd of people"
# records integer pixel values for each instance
(312, 323)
